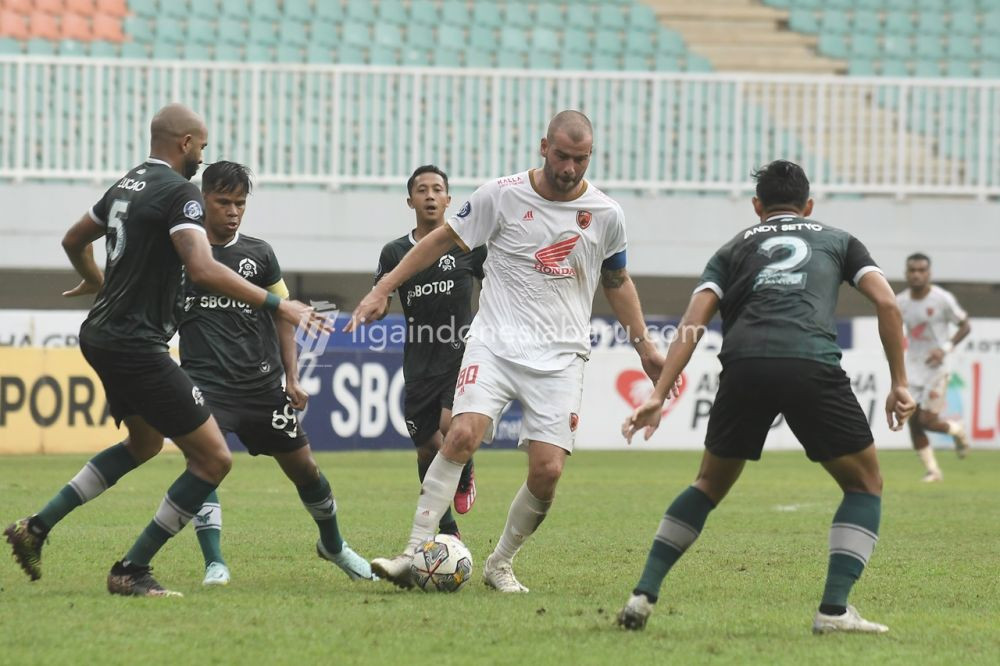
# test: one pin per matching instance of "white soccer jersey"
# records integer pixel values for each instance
(542, 267)
(928, 322)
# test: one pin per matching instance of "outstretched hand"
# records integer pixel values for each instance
(646, 416)
(899, 406)
(369, 309)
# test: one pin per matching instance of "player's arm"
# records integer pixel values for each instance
(196, 255)
(899, 405)
(78, 243)
(702, 307)
(624, 301)
(423, 254)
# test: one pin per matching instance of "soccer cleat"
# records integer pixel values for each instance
(962, 444)
(27, 547)
(500, 576)
(396, 570)
(352, 564)
(132, 580)
(848, 622)
(216, 574)
(933, 477)
(465, 494)
(635, 613)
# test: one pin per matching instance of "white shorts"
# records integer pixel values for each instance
(931, 394)
(550, 398)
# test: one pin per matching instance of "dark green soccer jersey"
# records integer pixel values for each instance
(226, 345)
(437, 303)
(778, 282)
(136, 308)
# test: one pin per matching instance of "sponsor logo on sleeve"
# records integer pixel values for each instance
(466, 209)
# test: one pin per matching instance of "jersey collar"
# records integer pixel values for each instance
(156, 160)
(233, 242)
(779, 215)
(409, 236)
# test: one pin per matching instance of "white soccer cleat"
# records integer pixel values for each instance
(962, 444)
(396, 570)
(933, 477)
(352, 564)
(636, 612)
(848, 622)
(216, 575)
(500, 576)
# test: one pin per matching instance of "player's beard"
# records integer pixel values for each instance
(190, 168)
(558, 183)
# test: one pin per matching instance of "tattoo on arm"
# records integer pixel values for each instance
(613, 279)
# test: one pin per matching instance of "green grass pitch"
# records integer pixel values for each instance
(745, 593)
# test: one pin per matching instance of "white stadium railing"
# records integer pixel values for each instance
(349, 125)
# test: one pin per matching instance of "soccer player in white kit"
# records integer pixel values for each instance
(550, 236)
(929, 314)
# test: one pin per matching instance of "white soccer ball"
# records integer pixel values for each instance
(442, 564)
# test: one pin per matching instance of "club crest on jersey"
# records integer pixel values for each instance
(466, 209)
(196, 395)
(930, 312)
(247, 268)
(446, 262)
(583, 218)
(549, 259)
(188, 303)
(192, 210)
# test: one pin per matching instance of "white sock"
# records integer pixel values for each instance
(526, 513)
(927, 456)
(436, 494)
(954, 427)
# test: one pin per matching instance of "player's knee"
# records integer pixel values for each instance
(216, 465)
(143, 448)
(461, 441)
(547, 473)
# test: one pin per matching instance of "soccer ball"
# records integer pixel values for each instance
(442, 564)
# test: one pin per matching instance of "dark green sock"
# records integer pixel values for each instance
(317, 497)
(183, 499)
(447, 524)
(852, 540)
(680, 526)
(100, 473)
(208, 528)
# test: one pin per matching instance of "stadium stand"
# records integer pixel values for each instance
(571, 35)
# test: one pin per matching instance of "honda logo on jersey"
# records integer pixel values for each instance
(583, 218)
(548, 259)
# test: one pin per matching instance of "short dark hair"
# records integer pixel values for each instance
(918, 256)
(426, 168)
(781, 183)
(225, 177)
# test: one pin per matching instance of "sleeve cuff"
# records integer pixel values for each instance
(187, 225)
(861, 273)
(458, 236)
(711, 286)
(95, 218)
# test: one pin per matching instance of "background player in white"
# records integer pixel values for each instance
(550, 235)
(929, 314)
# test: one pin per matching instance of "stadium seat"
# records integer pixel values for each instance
(13, 25)
(456, 12)
(608, 41)
(297, 10)
(203, 32)
(293, 32)
(642, 17)
(959, 69)
(640, 41)
(669, 41)
(931, 23)
(329, 11)
(898, 23)
(383, 55)
(289, 53)
(231, 32)
(446, 56)
(803, 20)
(479, 58)
(895, 68)
(317, 53)
(166, 51)
(542, 61)
(38, 46)
(510, 60)
(545, 40)
(833, 45)
(44, 26)
(610, 17)
(138, 29)
(991, 22)
(667, 62)
(53, 7)
(103, 49)
(257, 52)
(864, 46)
(76, 27)
(989, 69)
(193, 51)
(138, 50)
(175, 9)
(414, 57)
(482, 37)
(929, 47)
(387, 34)
(323, 34)
(264, 10)
(927, 68)
(637, 62)
(392, 11)
(146, 8)
(518, 15)
(897, 46)
(487, 14)
(424, 12)
(580, 16)
(835, 21)
(169, 30)
(577, 41)
(697, 63)
(964, 23)
(262, 33)
(116, 8)
(72, 48)
(866, 21)
(901, 5)
(604, 62)
(960, 47)
(861, 67)
(550, 16)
